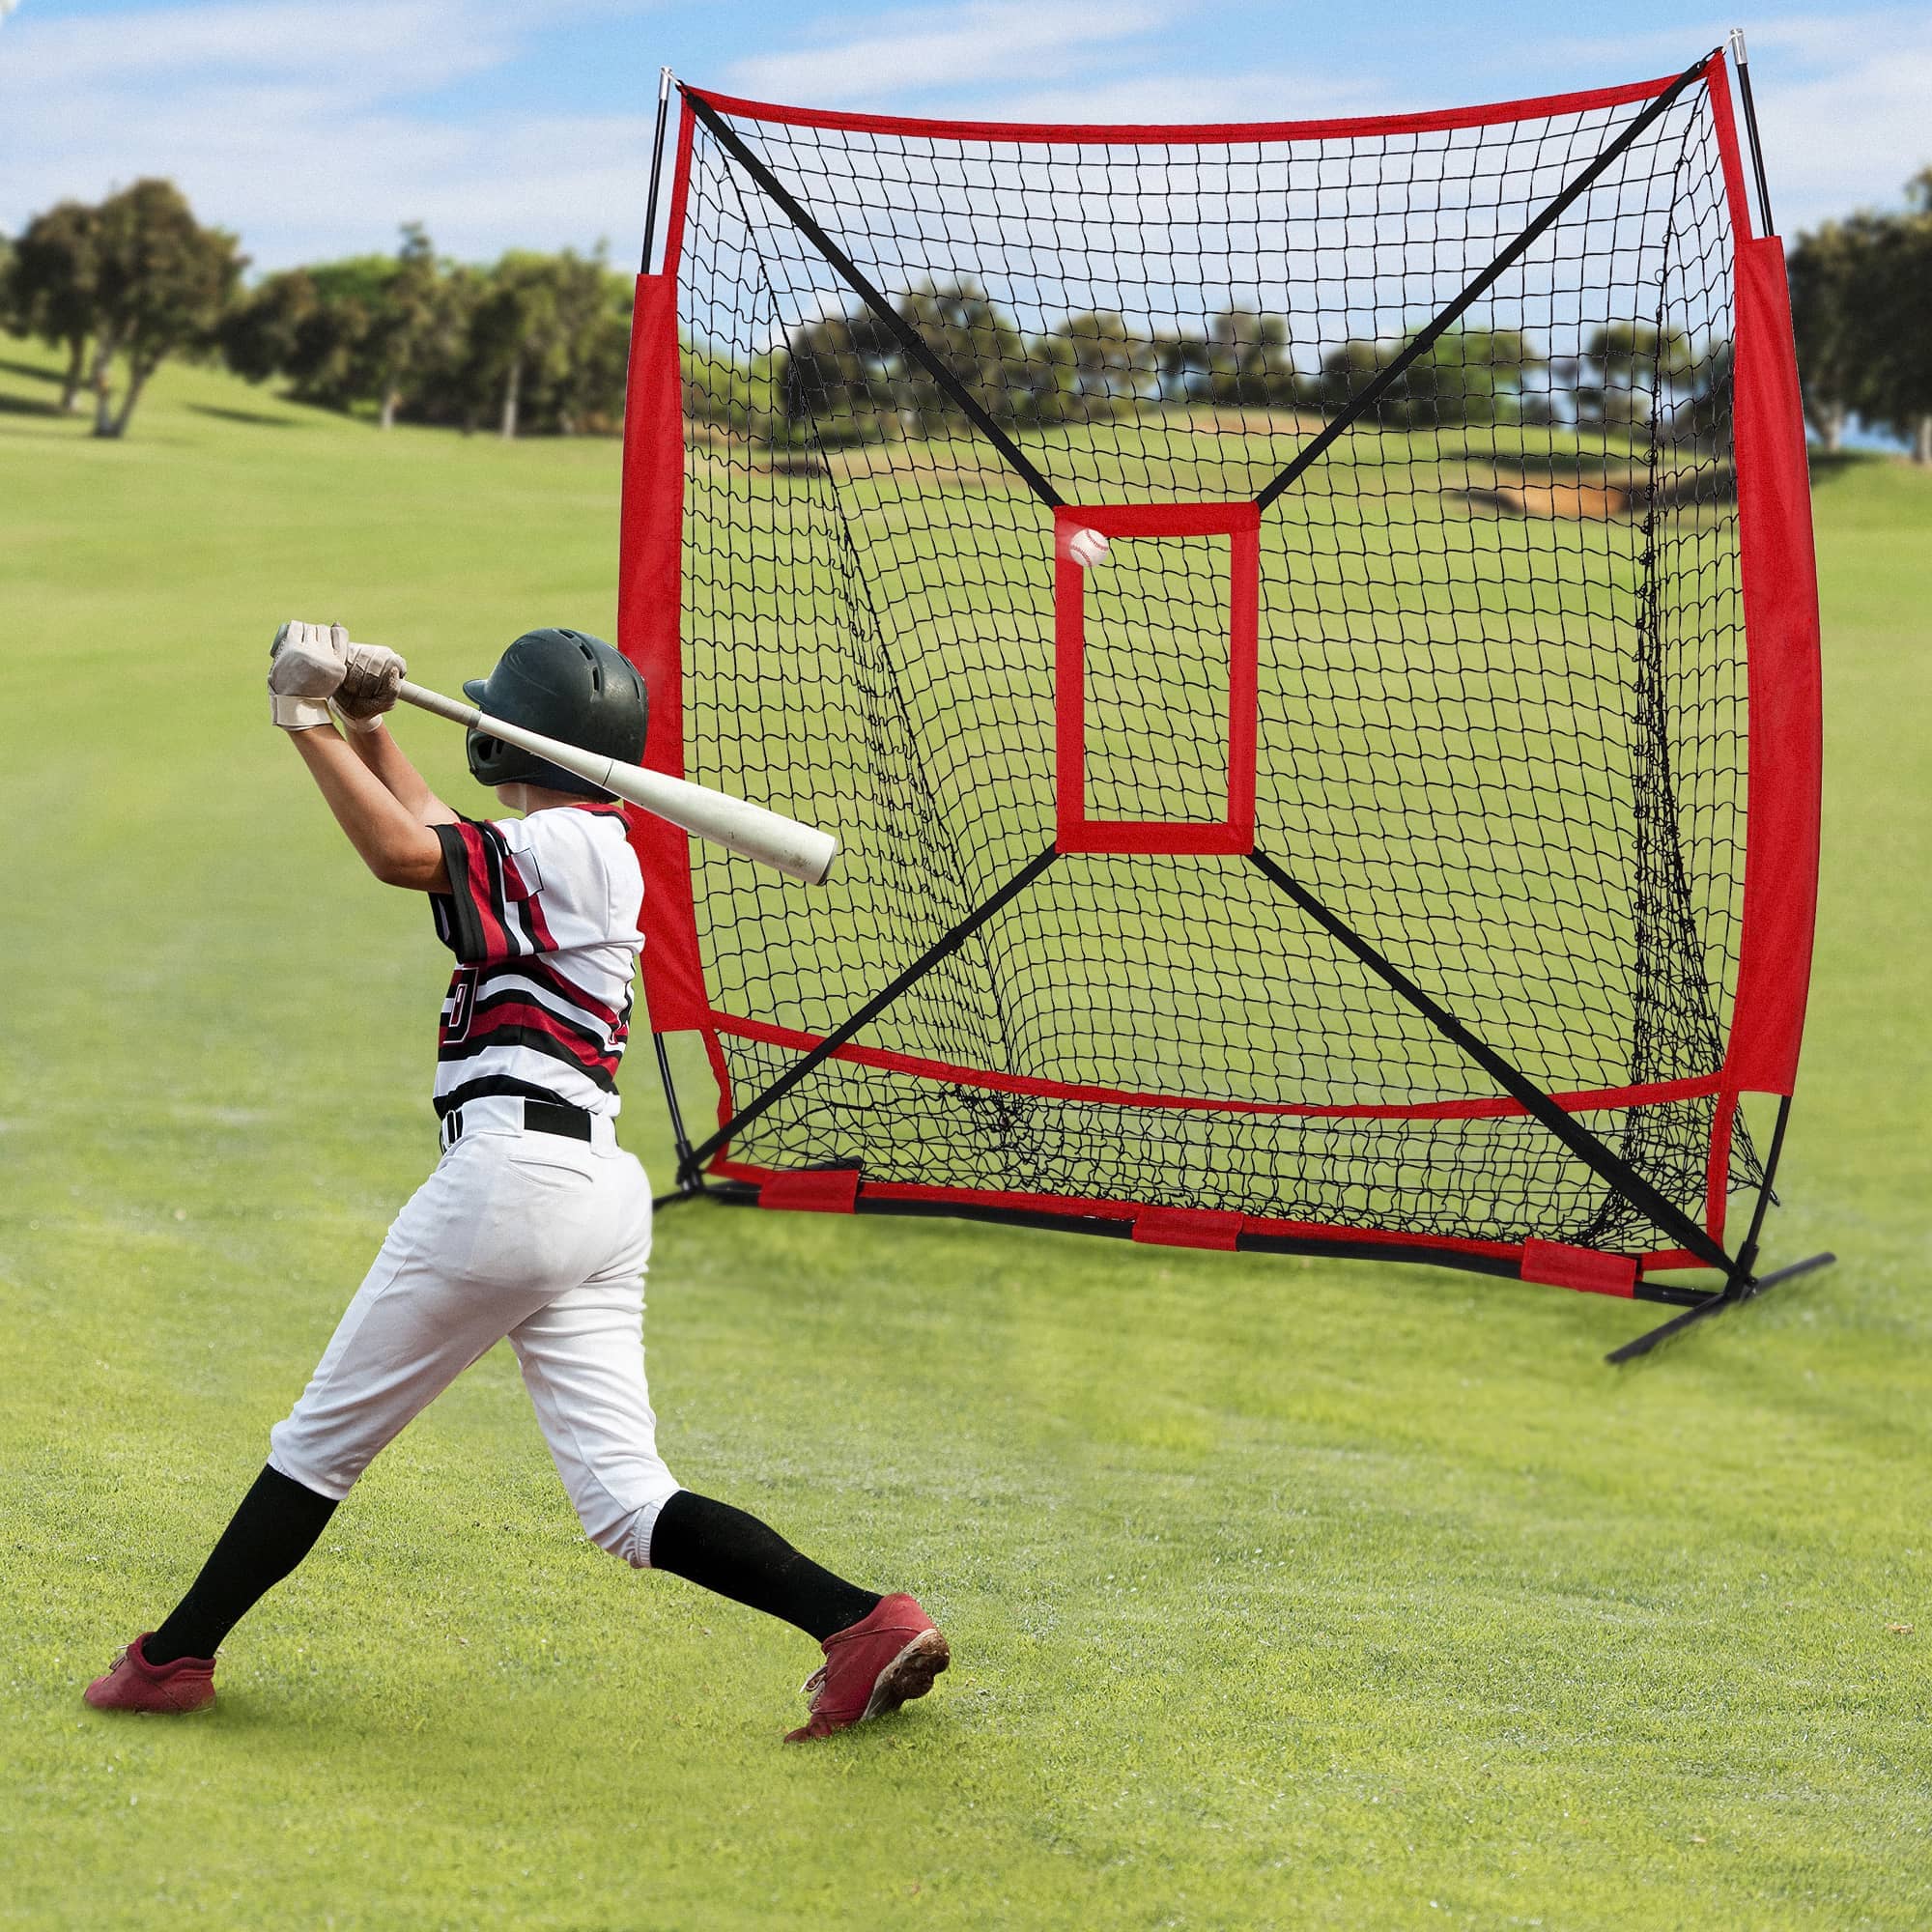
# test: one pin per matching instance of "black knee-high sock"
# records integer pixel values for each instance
(274, 1528)
(742, 1558)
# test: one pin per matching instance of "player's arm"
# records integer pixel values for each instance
(392, 769)
(306, 670)
(398, 848)
(368, 688)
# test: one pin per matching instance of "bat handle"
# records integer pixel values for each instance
(452, 708)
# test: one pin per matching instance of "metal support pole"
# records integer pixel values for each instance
(689, 1181)
(1748, 1253)
(657, 169)
(1742, 61)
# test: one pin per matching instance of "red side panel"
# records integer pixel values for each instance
(650, 563)
(1780, 599)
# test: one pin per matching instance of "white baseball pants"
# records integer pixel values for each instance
(531, 1236)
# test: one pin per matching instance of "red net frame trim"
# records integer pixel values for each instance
(1179, 134)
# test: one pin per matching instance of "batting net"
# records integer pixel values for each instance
(1365, 852)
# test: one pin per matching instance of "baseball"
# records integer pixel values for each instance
(1083, 547)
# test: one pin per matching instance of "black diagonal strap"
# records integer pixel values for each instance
(943, 947)
(1359, 404)
(1601, 1160)
(910, 340)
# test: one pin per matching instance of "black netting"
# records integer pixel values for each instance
(1501, 653)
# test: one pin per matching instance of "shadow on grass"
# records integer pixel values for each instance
(33, 405)
(259, 417)
(1828, 467)
(33, 371)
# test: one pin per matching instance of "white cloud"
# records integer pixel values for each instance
(1037, 60)
(314, 126)
(388, 44)
(957, 45)
(1178, 99)
(1848, 135)
(297, 126)
(1841, 100)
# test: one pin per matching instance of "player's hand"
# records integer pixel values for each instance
(306, 664)
(369, 683)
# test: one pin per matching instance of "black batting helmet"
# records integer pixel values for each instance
(566, 684)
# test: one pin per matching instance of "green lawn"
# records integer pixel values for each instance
(1281, 1594)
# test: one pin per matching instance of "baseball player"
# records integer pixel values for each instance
(534, 1223)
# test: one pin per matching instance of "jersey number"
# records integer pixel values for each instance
(462, 1002)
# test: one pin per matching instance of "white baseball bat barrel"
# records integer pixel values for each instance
(798, 851)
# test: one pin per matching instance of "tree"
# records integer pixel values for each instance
(1181, 363)
(1086, 368)
(458, 380)
(745, 396)
(521, 331)
(1824, 268)
(1860, 312)
(51, 286)
(259, 335)
(1893, 302)
(1248, 363)
(976, 342)
(407, 324)
(841, 375)
(1629, 371)
(340, 356)
(1470, 376)
(1706, 387)
(585, 384)
(539, 339)
(161, 284)
(1348, 369)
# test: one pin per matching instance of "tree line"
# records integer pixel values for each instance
(540, 342)
(849, 376)
(1861, 310)
(534, 341)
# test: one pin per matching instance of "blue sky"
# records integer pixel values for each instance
(314, 126)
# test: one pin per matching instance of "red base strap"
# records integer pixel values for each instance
(1586, 1270)
(1188, 1227)
(831, 1191)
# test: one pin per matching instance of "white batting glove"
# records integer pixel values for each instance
(369, 683)
(306, 669)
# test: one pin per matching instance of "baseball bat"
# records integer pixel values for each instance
(798, 851)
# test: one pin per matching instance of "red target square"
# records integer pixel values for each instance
(1233, 830)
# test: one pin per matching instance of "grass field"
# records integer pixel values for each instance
(1282, 1594)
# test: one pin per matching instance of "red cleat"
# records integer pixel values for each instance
(873, 1667)
(172, 1689)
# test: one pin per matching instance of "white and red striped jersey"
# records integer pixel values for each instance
(541, 915)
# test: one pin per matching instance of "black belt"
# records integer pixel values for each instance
(540, 1117)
